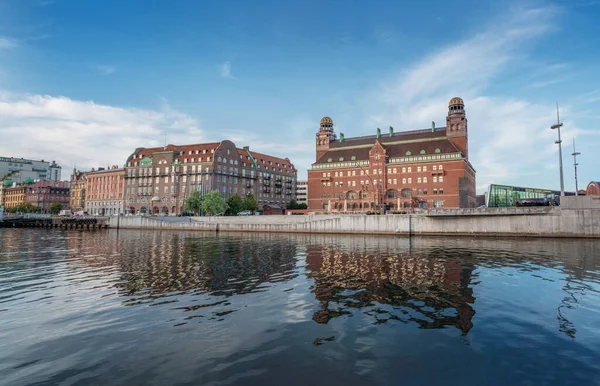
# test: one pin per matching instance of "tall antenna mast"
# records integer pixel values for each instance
(559, 142)
(575, 154)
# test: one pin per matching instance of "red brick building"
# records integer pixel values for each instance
(422, 168)
(158, 180)
(41, 193)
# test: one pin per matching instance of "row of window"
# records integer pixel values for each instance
(409, 180)
(352, 173)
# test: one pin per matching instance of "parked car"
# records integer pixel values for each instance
(536, 202)
(81, 213)
(244, 213)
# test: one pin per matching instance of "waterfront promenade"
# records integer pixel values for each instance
(574, 219)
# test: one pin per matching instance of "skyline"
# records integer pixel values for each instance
(86, 84)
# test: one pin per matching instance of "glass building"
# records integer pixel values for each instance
(502, 196)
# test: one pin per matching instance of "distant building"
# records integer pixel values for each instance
(302, 192)
(593, 189)
(158, 180)
(421, 168)
(502, 196)
(41, 194)
(19, 170)
(78, 190)
(104, 192)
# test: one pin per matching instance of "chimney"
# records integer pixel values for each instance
(247, 148)
(391, 131)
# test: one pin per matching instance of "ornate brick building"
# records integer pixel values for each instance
(104, 193)
(420, 168)
(78, 189)
(593, 189)
(158, 180)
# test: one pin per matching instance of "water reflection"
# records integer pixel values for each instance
(133, 307)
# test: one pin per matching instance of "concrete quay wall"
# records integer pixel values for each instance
(524, 222)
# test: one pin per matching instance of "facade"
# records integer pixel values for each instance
(593, 189)
(421, 168)
(19, 170)
(41, 194)
(502, 196)
(104, 191)
(78, 189)
(158, 180)
(302, 192)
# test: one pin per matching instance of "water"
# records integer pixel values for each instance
(162, 308)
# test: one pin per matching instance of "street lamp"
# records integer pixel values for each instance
(575, 154)
(559, 142)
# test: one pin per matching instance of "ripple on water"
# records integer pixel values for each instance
(134, 307)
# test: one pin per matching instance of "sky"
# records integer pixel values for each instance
(86, 82)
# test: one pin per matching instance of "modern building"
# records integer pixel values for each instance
(158, 180)
(104, 192)
(19, 170)
(78, 189)
(421, 168)
(302, 192)
(593, 189)
(502, 196)
(41, 194)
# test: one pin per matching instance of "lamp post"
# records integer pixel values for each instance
(559, 142)
(575, 154)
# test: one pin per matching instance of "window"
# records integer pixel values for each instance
(395, 181)
(353, 183)
(374, 171)
(435, 191)
(434, 178)
(419, 192)
(425, 191)
(389, 180)
(418, 180)
(394, 170)
(362, 172)
(408, 153)
(349, 173)
(422, 152)
(336, 174)
(441, 191)
(380, 172)
(418, 169)
(434, 168)
(404, 180)
(324, 174)
(424, 168)
(440, 168)
(424, 180)
(438, 203)
(410, 180)
(403, 170)
(409, 169)
(353, 173)
(441, 179)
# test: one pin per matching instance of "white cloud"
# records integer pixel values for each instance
(226, 70)
(106, 70)
(509, 137)
(6, 43)
(86, 133)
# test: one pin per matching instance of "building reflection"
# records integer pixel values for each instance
(427, 289)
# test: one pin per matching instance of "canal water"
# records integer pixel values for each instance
(166, 308)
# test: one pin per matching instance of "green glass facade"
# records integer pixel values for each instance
(502, 196)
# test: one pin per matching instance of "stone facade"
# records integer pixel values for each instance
(159, 180)
(104, 191)
(397, 171)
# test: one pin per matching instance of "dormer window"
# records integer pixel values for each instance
(408, 153)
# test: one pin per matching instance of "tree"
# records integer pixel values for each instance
(214, 203)
(28, 208)
(292, 204)
(250, 203)
(302, 206)
(235, 204)
(55, 208)
(194, 202)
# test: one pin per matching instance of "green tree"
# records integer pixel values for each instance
(235, 204)
(214, 203)
(55, 208)
(194, 202)
(292, 204)
(250, 203)
(302, 206)
(28, 208)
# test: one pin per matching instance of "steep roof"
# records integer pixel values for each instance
(285, 165)
(397, 145)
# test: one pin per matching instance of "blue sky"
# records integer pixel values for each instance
(86, 82)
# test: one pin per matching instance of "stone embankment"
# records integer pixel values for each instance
(570, 220)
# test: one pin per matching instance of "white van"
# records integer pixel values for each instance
(65, 212)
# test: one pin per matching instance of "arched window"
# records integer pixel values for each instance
(341, 159)
(422, 152)
(392, 193)
(353, 158)
(408, 153)
(406, 193)
(329, 160)
(437, 150)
